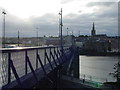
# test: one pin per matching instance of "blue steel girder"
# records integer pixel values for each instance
(31, 78)
(41, 64)
(57, 56)
(38, 56)
(48, 59)
(15, 73)
(30, 65)
(53, 58)
(60, 55)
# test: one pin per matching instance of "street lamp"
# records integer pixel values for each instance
(59, 27)
(37, 38)
(72, 33)
(4, 13)
(18, 38)
(67, 31)
(61, 24)
(78, 33)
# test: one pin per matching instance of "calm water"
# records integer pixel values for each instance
(98, 66)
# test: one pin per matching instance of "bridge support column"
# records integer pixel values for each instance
(76, 64)
(73, 68)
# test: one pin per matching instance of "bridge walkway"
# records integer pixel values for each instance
(25, 67)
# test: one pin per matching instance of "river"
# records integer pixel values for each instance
(98, 67)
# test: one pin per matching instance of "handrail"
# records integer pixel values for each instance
(27, 48)
(4, 50)
(22, 66)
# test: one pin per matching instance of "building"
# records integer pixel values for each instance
(97, 46)
(93, 31)
(25, 41)
(69, 40)
(95, 42)
(55, 41)
(115, 43)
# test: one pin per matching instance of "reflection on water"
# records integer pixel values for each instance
(98, 66)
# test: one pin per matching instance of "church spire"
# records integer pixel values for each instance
(93, 32)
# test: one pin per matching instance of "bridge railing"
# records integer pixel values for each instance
(18, 62)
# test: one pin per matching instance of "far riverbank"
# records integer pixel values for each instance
(93, 53)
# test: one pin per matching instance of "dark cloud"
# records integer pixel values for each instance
(105, 18)
(46, 24)
(100, 4)
(111, 12)
(66, 1)
(79, 11)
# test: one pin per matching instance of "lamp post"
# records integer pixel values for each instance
(72, 38)
(61, 24)
(67, 31)
(37, 38)
(18, 38)
(4, 13)
(78, 33)
(59, 27)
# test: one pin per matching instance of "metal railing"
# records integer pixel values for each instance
(18, 62)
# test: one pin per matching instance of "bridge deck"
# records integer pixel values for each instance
(25, 67)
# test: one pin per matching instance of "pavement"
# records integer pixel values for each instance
(109, 87)
(73, 83)
(65, 84)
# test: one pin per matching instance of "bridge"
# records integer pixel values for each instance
(27, 67)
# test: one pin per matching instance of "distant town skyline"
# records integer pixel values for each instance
(29, 16)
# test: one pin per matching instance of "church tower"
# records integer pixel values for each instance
(93, 32)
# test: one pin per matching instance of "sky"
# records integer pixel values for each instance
(29, 16)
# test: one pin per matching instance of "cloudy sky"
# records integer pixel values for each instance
(29, 16)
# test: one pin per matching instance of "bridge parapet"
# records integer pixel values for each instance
(29, 65)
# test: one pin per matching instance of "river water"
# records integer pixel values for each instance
(97, 68)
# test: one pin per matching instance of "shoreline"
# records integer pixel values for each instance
(99, 53)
